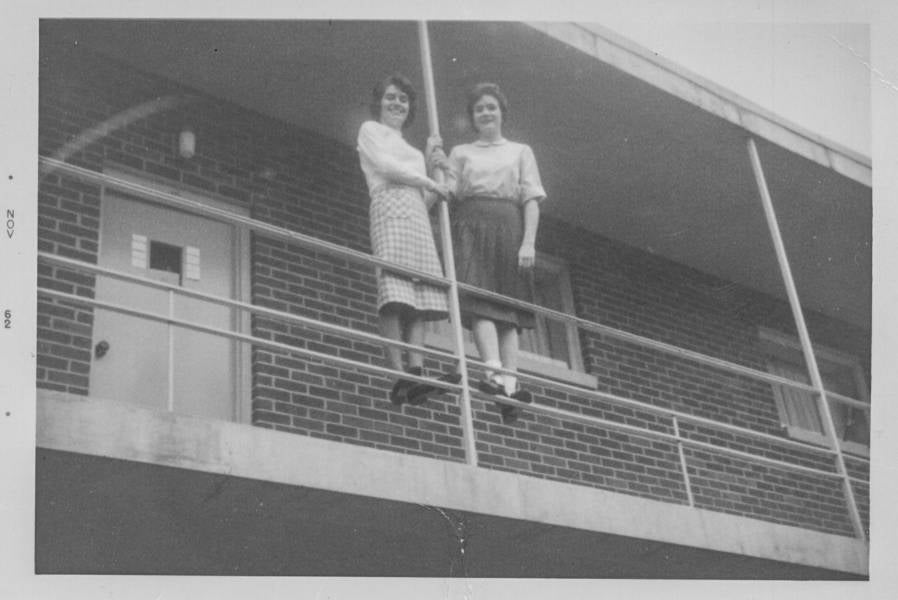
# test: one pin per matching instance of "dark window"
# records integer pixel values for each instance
(165, 257)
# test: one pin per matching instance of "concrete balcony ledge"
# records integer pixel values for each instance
(115, 430)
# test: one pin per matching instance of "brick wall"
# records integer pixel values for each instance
(323, 400)
(288, 178)
(302, 181)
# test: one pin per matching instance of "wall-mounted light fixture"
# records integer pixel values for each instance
(267, 173)
(187, 143)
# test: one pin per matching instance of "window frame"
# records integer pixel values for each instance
(530, 362)
(787, 348)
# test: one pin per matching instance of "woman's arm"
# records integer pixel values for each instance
(437, 167)
(435, 157)
(430, 198)
(527, 253)
(452, 171)
(377, 151)
(532, 193)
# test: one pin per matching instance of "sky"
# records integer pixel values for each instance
(815, 75)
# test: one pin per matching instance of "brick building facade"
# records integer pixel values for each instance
(308, 183)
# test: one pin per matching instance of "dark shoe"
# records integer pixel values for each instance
(494, 388)
(450, 377)
(399, 393)
(417, 392)
(510, 414)
(522, 395)
(491, 387)
(420, 392)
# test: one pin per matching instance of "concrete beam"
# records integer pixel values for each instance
(116, 430)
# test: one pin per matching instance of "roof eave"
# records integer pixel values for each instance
(610, 48)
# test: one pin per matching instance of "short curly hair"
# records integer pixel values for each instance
(401, 82)
(486, 89)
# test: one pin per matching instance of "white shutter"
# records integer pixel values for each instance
(799, 407)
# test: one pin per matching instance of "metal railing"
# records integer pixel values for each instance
(677, 418)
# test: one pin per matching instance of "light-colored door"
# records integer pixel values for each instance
(148, 362)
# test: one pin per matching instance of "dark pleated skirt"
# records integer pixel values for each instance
(486, 235)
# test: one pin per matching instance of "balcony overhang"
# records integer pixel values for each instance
(629, 147)
(626, 525)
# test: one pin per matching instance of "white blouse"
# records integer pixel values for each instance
(387, 158)
(500, 169)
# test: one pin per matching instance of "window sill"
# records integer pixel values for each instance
(812, 437)
(530, 364)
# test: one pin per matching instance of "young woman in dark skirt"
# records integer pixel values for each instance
(496, 214)
(401, 194)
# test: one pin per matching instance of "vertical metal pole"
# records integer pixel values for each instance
(467, 421)
(171, 352)
(676, 426)
(806, 346)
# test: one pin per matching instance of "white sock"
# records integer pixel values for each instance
(511, 384)
(490, 373)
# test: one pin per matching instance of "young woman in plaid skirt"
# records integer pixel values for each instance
(498, 191)
(401, 195)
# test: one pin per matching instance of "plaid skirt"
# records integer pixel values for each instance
(401, 233)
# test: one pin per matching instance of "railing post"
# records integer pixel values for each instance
(686, 482)
(171, 352)
(806, 346)
(466, 416)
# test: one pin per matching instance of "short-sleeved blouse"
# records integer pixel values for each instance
(500, 169)
(386, 157)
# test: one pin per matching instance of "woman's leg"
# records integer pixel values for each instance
(487, 341)
(508, 351)
(414, 329)
(414, 334)
(391, 327)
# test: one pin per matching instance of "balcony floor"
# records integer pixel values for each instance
(136, 518)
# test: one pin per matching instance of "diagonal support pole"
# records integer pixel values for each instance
(806, 347)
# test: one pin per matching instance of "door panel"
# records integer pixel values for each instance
(150, 363)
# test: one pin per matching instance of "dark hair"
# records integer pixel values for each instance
(401, 82)
(485, 89)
